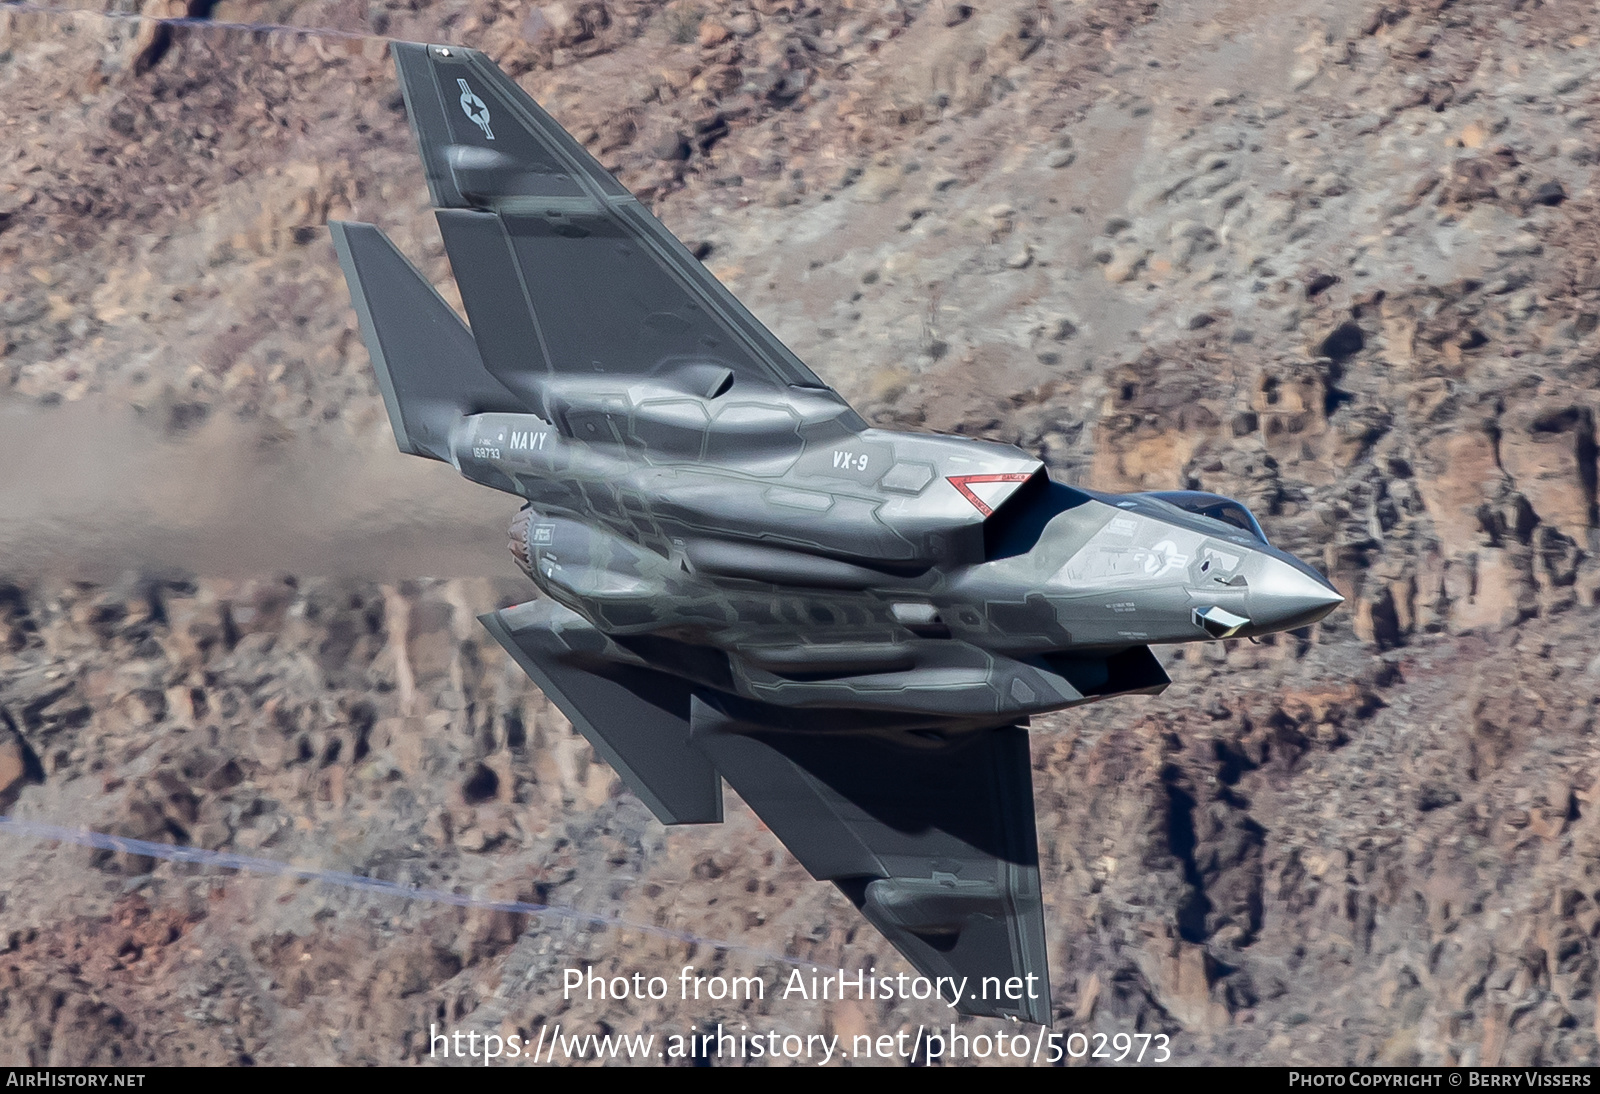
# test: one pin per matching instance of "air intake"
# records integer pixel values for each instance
(1219, 622)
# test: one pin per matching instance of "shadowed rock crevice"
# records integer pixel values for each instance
(1193, 907)
(155, 36)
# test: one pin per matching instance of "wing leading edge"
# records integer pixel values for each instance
(636, 719)
(930, 835)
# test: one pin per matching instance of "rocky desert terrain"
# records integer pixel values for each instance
(1340, 260)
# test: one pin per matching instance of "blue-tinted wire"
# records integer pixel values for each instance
(186, 21)
(104, 841)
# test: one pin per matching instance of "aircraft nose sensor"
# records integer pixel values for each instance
(1283, 597)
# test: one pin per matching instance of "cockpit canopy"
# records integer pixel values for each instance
(1214, 506)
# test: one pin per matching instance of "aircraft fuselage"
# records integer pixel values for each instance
(933, 576)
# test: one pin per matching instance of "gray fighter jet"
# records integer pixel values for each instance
(744, 581)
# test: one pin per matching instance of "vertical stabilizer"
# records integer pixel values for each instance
(425, 358)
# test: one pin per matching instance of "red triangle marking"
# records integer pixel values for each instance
(960, 482)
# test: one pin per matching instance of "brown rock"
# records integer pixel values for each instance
(1290, 403)
(1152, 424)
(1549, 452)
(1141, 458)
(713, 34)
(1455, 478)
(1125, 262)
(1587, 583)
(197, 627)
(717, 81)
(1499, 593)
(1182, 973)
(18, 766)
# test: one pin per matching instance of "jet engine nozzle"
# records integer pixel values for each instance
(520, 549)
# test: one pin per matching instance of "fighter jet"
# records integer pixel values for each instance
(742, 580)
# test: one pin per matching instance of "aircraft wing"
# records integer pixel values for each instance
(932, 839)
(562, 271)
(637, 719)
(930, 835)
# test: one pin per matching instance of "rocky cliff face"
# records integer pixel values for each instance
(1339, 260)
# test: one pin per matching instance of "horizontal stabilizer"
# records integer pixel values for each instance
(931, 837)
(636, 719)
(425, 358)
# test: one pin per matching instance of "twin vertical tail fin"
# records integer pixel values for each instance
(484, 142)
(425, 358)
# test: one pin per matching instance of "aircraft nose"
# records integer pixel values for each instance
(1284, 597)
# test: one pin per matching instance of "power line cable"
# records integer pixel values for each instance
(105, 841)
(193, 21)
